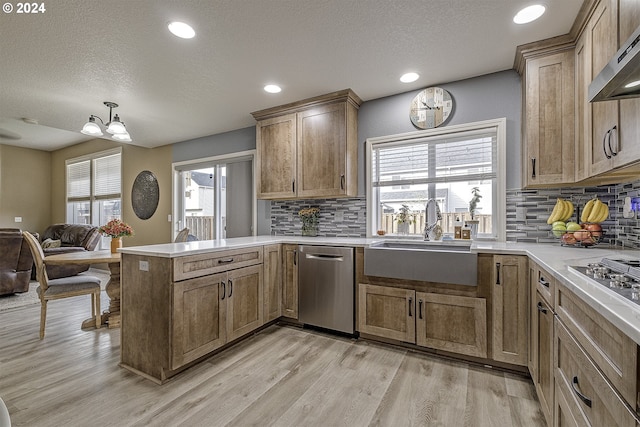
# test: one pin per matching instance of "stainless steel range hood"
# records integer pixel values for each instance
(622, 70)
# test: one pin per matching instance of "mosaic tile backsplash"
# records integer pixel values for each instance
(527, 213)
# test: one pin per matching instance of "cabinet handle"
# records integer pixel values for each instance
(295, 257)
(543, 282)
(410, 304)
(225, 261)
(230, 288)
(293, 186)
(541, 308)
(615, 128)
(420, 308)
(224, 289)
(604, 148)
(498, 273)
(582, 397)
(341, 181)
(533, 167)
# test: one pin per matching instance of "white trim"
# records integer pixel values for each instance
(402, 138)
(177, 201)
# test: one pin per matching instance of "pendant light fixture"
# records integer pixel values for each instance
(114, 126)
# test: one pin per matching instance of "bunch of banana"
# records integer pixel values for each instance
(562, 211)
(594, 211)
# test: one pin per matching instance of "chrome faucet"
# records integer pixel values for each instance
(432, 216)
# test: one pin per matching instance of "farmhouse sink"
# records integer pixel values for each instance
(441, 262)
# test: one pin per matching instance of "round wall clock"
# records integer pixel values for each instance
(430, 108)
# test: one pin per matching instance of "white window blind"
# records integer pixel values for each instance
(107, 177)
(79, 180)
(462, 156)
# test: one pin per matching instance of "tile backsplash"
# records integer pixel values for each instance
(527, 213)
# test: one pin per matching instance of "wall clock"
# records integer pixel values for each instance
(430, 108)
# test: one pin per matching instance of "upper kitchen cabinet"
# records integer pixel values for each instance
(548, 117)
(308, 149)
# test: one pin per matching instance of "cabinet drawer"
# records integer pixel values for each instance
(584, 386)
(612, 351)
(192, 266)
(545, 284)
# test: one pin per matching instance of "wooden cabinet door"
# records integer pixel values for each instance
(582, 106)
(602, 30)
(628, 149)
(276, 142)
(244, 301)
(509, 309)
(541, 330)
(290, 281)
(387, 312)
(199, 318)
(452, 323)
(322, 152)
(272, 282)
(549, 119)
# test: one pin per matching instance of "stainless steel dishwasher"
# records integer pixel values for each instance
(326, 287)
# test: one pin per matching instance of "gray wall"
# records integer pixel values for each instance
(480, 98)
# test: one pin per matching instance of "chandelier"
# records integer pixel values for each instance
(114, 126)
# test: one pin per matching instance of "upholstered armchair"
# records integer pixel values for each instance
(15, 262)
(68, 238)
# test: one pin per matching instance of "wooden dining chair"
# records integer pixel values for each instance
(64, 287)
(182, 236)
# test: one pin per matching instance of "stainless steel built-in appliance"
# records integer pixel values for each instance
(619, 275)
(616, 79)
(326, 287)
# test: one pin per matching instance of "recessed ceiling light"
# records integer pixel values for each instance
(272, 88)
(409, 77)
(529, 14)
(632, 84)
(182, 30)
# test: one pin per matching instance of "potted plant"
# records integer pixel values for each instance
(473, 205)
(404, 219)
(309, 218)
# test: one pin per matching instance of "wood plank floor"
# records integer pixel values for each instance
(282, 376)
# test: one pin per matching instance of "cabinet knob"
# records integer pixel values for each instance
(541, 308)
(543, 282)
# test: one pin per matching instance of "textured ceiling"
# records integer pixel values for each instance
(59, 66)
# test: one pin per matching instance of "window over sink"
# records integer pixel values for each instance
(447, 164)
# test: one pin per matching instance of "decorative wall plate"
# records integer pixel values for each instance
(145, 195)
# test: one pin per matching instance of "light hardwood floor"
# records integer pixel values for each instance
(282, 376)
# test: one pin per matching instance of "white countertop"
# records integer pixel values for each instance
(554, 258)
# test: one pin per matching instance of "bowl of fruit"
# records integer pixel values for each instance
(588, 232)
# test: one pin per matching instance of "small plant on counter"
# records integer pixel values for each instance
(116, 228)
(473, 203)
(405, 216)
(309, 218)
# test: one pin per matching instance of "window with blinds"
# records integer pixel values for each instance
(446, 165)
(94, 188)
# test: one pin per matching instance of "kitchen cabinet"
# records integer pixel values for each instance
(290, 281)
(541, 320)
(387, 312)
(509, 308)
(308, 149)
(272, 282)
(548, 119)
(452, 323)
(178, 310)
(582, 106)
(629, 21)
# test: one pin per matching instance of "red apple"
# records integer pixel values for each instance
(581, 234)
(595, 229)
(568, 239)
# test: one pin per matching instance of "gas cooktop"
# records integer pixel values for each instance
(619, 275)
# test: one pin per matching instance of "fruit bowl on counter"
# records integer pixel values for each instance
(588, 232)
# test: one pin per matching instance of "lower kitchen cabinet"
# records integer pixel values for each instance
(509, 299)
(210, 311)
(272, 282)
(452, 323)
(290, 281)
(387, 312)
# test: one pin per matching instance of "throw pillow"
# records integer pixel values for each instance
(50, 243)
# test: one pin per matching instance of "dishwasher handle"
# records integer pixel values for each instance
(325, 257)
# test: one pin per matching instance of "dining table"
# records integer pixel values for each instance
(111, 316)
